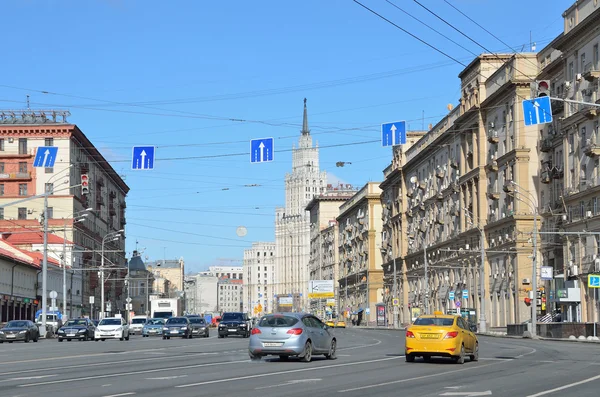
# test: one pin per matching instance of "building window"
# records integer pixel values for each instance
(2, 189)
(22, 167)
(1, 168)
(2, 144)
(22, 189)
(49, 142)
(49, 170)
(50, 212)
(595, 58)
(1, 213)
(571, 72)
(22, 145)
(22, 213)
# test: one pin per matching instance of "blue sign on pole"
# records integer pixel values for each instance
(594, 281)
(537, 111)
(45, 156)
(451, 295)
(457, 303)
(393, 134)
(465, 294)
(261, 150)
(143, 158)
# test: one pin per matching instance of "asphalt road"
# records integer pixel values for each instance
(370, 362)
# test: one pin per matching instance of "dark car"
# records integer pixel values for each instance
(24, 330)
(199, 326)
(79, 328)
(177, 326)
(234, 324)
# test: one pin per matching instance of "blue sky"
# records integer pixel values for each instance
(199, 79)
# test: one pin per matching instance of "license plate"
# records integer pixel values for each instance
(430, 336)
(232, 330)
(272, 344)
(10, 336)
(70, 334)
(174, 331)
(153, 331)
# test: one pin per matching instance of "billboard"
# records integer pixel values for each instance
(319, 289)
(286, 301)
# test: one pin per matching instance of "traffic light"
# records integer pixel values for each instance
(85, 184)
(540, 88)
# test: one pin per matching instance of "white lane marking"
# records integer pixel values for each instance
(167, 377)
(107, 363)
(467, 393)
(292, 371)
(415, 378)
(28, 378)
(291, 382)
(148, 371)
(361, 346)
(122, 394)
(581, 382)
(106, 385)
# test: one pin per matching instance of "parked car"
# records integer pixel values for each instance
(292, 334)
(80, 328)
(235, 323)
(112, 328)
(24, 330)
(177, 326)
(153, 326)
(199, 326)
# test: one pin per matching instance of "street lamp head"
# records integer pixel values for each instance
(89, 209)
(121, 231)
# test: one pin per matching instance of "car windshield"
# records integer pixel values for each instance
(277, 321)
(435, 321)
(232, 316)
(177, 321)
(16, 324)
(155, 321)
(110, 321)
(196, 320)
(138, 321)
(49, 317)
(72, 323)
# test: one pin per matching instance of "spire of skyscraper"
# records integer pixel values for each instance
(305, 130)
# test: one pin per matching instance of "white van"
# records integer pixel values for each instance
(137, 324)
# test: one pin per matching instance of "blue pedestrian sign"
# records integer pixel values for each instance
(465, 294)
(261, 150)
(451, 295)
(537, 111)
(594, 281)
(143, 158)
(393, 134)
(45, 156)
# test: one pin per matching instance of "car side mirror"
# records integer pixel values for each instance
(473, 328)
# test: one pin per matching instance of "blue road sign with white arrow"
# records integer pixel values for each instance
(45, 156)
(393, 134)
(537, 111)
(143, 158)
(261, 150)
(594, 281)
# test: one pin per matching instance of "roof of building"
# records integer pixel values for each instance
(28, 236)
(136, 263)
(169, 263)
(9, 251)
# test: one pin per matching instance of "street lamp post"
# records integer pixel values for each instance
(482, 319)
(426, 272)
(112, 237)
(534, 260)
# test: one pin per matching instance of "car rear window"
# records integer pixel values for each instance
(177, 321)
(440, 322)
(138, 321)
(197, 320)
(277, 321)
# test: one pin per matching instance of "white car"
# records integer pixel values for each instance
(112, 328)
(137, 324)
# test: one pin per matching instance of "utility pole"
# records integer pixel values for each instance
(64, 266)
(534, 276)
(426, 300)
(45, 269)
(482, 320)
(395, 289)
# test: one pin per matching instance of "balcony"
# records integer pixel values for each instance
(454, 164)
(439, 197)
(440, 174)
(557, 173)
(493, 194)
(591, 149)
(590, 112)
(492, 166)
(111, 210)
(545, 177)
(508, 187)
(546, 145)
(16, 176)
(493, 136)
(439, 220)
(591, 72)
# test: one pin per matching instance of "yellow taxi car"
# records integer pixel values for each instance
(443, 336)
(330, 323)
(340, 324)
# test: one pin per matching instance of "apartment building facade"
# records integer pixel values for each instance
(360, 274)
(324, 253)
(172, 271)
(259, 278)
(230, 295)
(21, 133)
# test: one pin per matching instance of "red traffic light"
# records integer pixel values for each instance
(543, 85)
(85, 184)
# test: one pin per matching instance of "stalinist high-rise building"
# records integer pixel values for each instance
(292, 224)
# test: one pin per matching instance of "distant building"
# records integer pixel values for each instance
(230, 295)
(259, 278)
(233, 272)
(139, 284)
(201, 293)
(172, 271)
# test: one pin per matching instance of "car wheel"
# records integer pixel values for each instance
(60, 339)
(103, 339)
(461, 359)
(255, 357)
(307, 355)
(410, 358)
(331, 355)
(85, 338)
(68, 340)
(475, 355)
(96, 340)
(206, 336)
(26, 338)
(164, 337)
(10, 341)
(37, 337)
(168, 337)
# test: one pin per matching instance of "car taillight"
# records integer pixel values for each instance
(295, 331)
(409, 334)
(451, 335)
(255, 331)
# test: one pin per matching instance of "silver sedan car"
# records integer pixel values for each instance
(291, 334)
